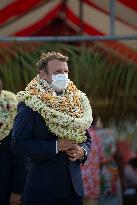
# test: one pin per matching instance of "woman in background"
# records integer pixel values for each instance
(91, 169)
(112, 171)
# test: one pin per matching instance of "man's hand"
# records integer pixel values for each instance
(76, 153)
(65, 144)
(15, 199)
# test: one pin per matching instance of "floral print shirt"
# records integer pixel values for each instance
(91, 169)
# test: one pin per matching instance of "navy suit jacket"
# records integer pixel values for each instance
(12, 171)
(50, 175)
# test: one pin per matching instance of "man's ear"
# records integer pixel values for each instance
(42, 74)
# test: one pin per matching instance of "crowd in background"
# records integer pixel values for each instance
(108, 178)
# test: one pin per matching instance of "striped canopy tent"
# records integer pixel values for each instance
(58, 17)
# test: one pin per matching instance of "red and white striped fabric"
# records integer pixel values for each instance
(27, 18)
(96, 22)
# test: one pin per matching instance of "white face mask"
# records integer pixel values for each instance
(59, 82)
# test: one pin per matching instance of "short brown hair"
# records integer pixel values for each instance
(46, 57)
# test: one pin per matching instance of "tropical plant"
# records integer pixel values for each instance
(109, 82)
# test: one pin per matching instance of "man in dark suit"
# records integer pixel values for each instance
(12, 168)
(47, 130)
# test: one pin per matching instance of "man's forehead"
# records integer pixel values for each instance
(57, 63)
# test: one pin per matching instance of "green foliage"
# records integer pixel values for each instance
(109, 82)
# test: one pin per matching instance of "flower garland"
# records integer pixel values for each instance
(67, 115)
(8, 104)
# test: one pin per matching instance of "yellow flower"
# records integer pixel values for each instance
(33, 92)
(46, 96)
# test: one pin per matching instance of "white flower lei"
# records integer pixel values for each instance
(64, 124)
(8, 104)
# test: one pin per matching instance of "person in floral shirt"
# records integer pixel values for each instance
(112, 177)
(91, 170)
